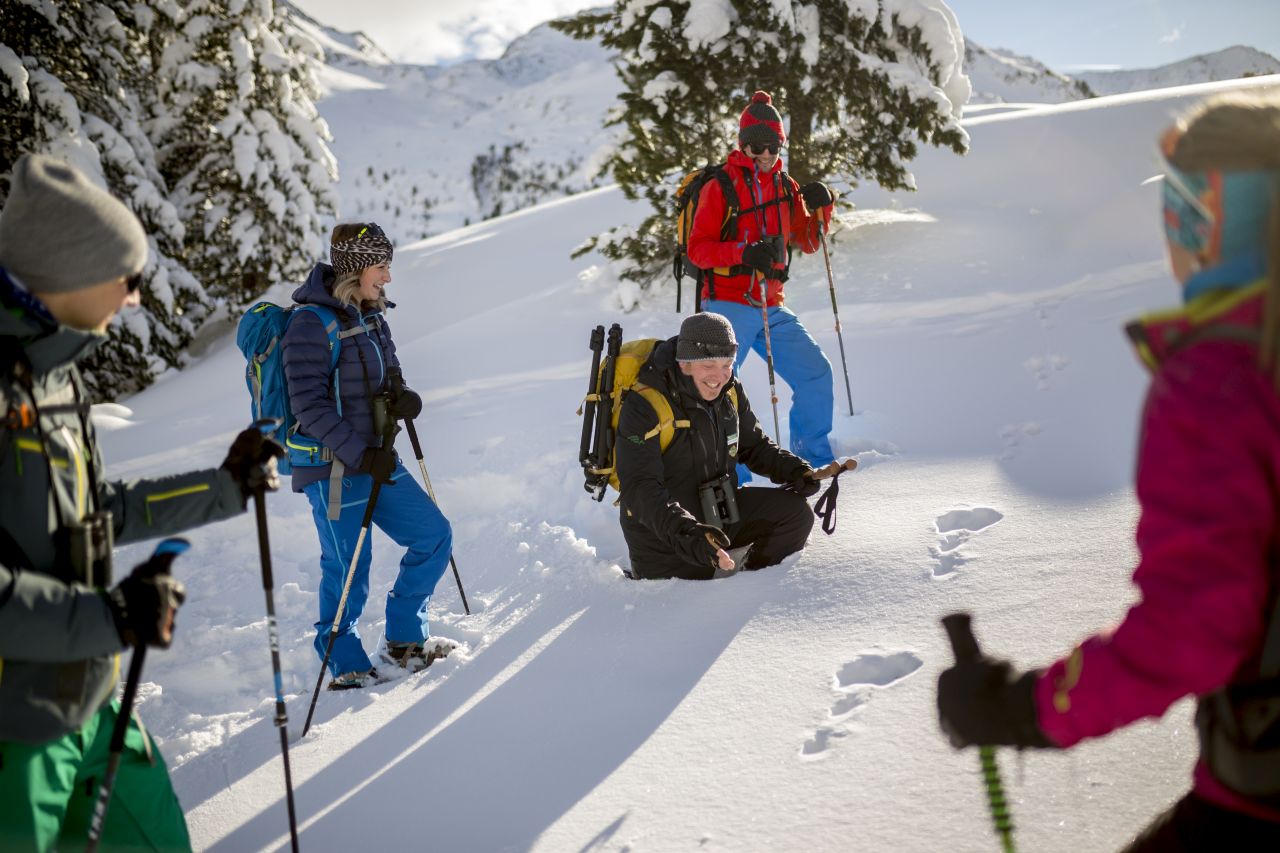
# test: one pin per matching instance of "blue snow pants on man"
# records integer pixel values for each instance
(406, 514)
(800, 362)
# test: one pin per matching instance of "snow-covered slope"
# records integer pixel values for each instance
(1229, 64)
(785, 710)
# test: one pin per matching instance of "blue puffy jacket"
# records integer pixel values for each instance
(349, 432)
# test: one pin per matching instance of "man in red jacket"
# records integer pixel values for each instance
(747, 255)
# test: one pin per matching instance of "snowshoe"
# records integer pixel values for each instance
(416, 657)
(354, 680)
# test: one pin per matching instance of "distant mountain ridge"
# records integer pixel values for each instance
(430, 148)
(1228, 64)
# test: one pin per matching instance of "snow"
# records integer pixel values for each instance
(789, 709)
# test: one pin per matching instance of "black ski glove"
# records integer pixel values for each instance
(761, 255)
(406, 404)
(381, 463)
(701, 543)
(804, 485)
(251, 461)
(143, 605)
(984, 702)
(816, 194)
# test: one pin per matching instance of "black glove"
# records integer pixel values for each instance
(251, 461)
(698, 544)
(406, 404)
(984, 702)
(816, 194)
(143, 605)
(381, 463)
(804, 485)
(761, 255)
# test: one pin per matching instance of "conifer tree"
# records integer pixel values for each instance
(860, 83)
(74, 80)
(242, 144)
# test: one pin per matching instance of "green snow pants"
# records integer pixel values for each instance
(48, 791)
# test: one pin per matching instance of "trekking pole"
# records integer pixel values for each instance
(965, 647)
(768, 349)
(422, 466)
(396, 379)
(162, 558)
(831, 282)
(273, 636)
(346, 590)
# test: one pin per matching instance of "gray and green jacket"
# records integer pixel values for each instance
(59, 648)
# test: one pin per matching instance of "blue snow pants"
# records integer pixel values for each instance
(800, 362)
(406, 514)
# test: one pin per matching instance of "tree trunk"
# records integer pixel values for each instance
(799, 164)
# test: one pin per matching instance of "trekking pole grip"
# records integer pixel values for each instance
(964, 645)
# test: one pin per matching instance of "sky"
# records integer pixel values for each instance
(1068, 36)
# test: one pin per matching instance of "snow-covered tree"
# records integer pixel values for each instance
(860, 83)
(74, 79)
(242, 144)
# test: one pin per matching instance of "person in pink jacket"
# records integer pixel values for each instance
(1208, 481)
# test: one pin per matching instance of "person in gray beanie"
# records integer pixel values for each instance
(71, 256)
(682, 509)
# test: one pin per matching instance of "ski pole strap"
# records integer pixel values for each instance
(825, 508)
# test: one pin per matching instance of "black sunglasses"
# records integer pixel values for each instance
(772, 148)
(133, 282)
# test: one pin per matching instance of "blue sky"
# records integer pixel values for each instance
(1064, 34)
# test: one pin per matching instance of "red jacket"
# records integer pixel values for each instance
(1207, 482)
(762, 200)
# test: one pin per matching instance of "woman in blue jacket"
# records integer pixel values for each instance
(343, 411)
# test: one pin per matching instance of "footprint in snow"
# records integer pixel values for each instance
(955, 528)
(854, 683)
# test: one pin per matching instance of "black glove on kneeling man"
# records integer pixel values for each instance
(984, 702)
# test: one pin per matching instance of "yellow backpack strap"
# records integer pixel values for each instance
(667, 423)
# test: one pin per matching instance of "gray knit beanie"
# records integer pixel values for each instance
(705, 336)
(60, 232)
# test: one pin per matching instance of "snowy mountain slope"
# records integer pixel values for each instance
(1228, 64)
(789, 709)
(1001, 76)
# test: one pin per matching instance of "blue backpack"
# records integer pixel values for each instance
(259, 335)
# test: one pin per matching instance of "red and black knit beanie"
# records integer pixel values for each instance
(760, 123)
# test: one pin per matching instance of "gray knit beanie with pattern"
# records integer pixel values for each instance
(60, 232)
(368, 248)
(705, 336)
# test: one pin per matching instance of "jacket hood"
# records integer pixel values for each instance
(48, 343)
(318, 289)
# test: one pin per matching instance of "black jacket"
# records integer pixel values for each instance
(659, 503)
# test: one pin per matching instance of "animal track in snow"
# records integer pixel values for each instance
(1042, 367)
(854, 683)
(955, 528)
(1013, 434)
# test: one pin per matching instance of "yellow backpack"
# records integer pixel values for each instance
(611, 381)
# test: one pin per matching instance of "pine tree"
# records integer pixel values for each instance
(75, 78)
(860, 81)
(242, 144)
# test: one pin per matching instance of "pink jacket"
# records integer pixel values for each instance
(1208, 482)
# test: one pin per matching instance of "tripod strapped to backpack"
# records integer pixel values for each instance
(596, 449)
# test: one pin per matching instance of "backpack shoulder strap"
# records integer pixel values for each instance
(729, 227)
(329, 318)
(667, 421)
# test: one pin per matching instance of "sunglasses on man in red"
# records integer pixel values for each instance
(756, 150)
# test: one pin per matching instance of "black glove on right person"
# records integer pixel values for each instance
(406, 404)
(984, 702)
(251, 462)
(816, 194)
(379, 462)
(761, 255)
